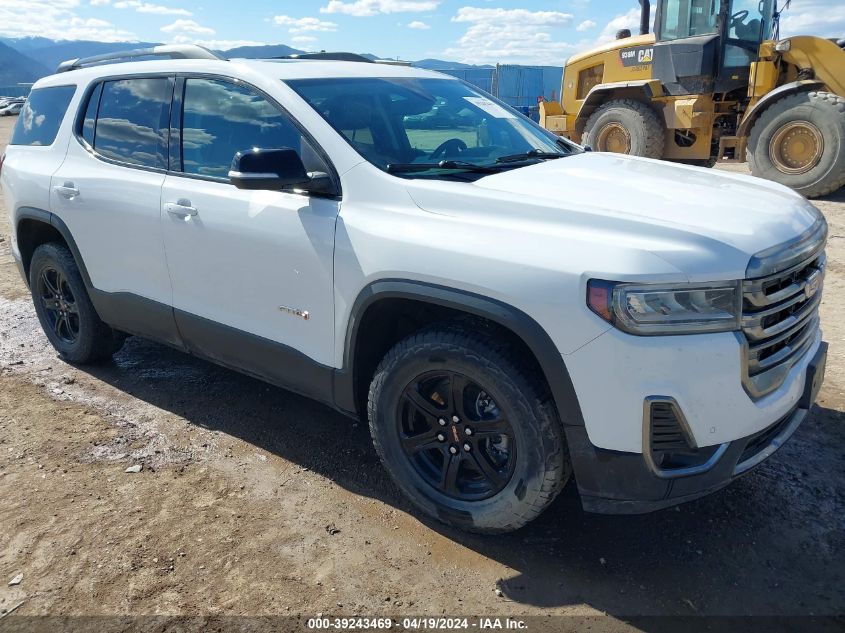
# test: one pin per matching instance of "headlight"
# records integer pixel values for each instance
(659, 309)
(783, 46)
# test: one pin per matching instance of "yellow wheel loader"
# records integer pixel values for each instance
(713, 82)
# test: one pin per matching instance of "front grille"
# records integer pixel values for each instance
(781, 317)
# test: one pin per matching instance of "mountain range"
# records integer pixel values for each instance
(24, 60)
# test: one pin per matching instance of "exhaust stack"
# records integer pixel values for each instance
(645, 16)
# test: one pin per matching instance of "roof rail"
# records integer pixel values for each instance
(171, 51)
(336, 57)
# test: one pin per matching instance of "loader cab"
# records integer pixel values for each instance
(707, 46)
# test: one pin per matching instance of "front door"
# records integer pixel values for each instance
(251, 270)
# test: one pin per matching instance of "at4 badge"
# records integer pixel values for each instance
(639, 56)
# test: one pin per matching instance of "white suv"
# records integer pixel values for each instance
(505, 307)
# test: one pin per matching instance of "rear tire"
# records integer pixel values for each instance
(506, 420)
(625, 126)
(64, 309)
(799, 141)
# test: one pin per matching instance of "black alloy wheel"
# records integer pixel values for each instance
(61, 310)
(456, 436)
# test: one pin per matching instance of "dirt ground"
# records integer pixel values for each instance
(255, 501)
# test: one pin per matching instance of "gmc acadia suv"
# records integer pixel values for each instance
(506, 308)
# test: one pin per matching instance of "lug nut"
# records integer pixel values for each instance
(441, 422)
(455, 419)
(441, 437)
(453, 450)
(467, 447)
(468, 431)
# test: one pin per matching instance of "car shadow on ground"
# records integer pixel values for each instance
(769, 544)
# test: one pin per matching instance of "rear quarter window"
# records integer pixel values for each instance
(42, 115)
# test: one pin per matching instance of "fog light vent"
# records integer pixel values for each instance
(668, 445)
(666, 432)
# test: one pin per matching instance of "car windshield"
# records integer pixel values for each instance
(429, 127)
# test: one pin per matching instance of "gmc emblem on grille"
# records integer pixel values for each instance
(812, 285)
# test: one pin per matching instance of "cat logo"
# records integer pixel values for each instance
(640, 56)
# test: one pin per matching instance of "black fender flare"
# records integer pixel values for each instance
(530, 332)
(45, 217)
(758, 108)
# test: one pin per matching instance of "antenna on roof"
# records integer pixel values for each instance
(171, 51)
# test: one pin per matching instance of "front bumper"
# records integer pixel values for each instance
(615, 482)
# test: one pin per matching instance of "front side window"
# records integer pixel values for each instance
(412, 123)
(750, 22)
(41, 116)
(221, 118)
(132, 121)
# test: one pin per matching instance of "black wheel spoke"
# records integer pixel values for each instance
(57, 325)
(50, 285)
(50, 303)
(492, 428)
(458, 386)
(71, 308)
(421, 442)
(449, 473)
(486, 469)
(422, 404)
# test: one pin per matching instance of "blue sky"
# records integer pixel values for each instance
(472, 31)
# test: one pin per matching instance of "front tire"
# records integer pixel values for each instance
(624, 126)
(64, 309)
(467, 431)
(799, 141)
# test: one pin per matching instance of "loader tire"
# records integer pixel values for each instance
(624, 126)
(799, 141)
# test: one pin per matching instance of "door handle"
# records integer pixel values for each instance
(67, 190)
(181, 208)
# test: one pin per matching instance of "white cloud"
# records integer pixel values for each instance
(586, 25)
(146, 7)
(302, 25)
(510, 36)
(56, 19)
(630, 20)
(820, 17)
(187, 26)
(95, 3)
(420, 26)
(364, 8)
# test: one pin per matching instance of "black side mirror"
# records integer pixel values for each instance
(268, 169)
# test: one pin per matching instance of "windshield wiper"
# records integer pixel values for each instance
(451, 165)
(533, 153)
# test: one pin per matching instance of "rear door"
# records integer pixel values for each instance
(251, 270)
(108, 193)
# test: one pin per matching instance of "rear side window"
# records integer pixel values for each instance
(42, 115)
(133, 120)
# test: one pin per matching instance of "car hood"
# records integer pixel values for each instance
(700, 220)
